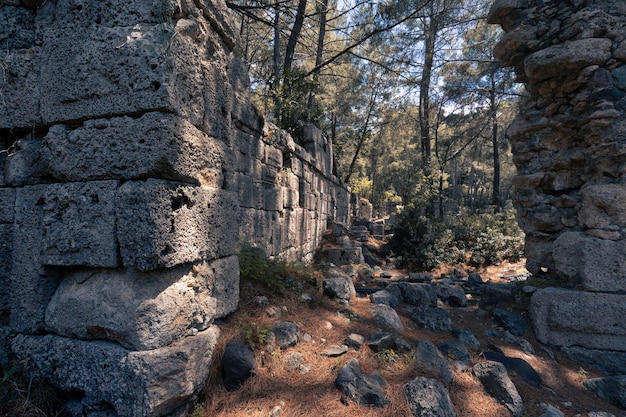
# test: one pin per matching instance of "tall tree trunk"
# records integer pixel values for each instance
(496, 201)
(276, 63)
(322, 9)
(293, 36)
(362, 134)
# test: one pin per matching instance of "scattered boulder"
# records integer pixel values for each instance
(550, 411)
(428, 398)
(457, 353)
(512, 322)
(427, 355)
(335, 351)
(354, 341)
(237, 364)
(387, 316)
(493, 295)
(362, 389)
(414, 293)
(339, 285)
(420, 277)
(287, 334)
(609, 362)
(432, 318)
(467, 338)
(475, 277)
(345, 256)
(611, 389)
(384, 297)
(497, 383)
(453, 295)
(380, 341)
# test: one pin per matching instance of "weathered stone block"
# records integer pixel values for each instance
(225, 278)
(20, 87)
(569, 56)
(7, 205)
(137, 384)
(79, 224)
(345, 256)
(574, 318)
(155, 145)
(23, 165)
(139, 310)
(161, 224)
(32, 285)
(597, 264)
(603, 205)
(6, 257)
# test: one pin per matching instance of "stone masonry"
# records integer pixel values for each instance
(569, 146)
(133, 165)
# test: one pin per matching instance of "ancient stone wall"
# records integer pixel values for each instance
(133, 165)
(569, 146)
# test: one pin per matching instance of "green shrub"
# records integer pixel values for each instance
(256, 337)
(478, 239)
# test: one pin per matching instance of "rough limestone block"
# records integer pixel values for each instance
(597, 264)
(79, 224)
(564, 317)
(139, 310)
(161, 224)
(155, 145)
(23, 164)
(137, 384)
(603, 205)
(7, 205)
(32, 285)
(345, 256)
(569, 56)
(19, 87)
(225, 277)
(6, 257)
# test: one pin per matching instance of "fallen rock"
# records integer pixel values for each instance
(609, 362)
(380, 341)
(287, 334)
(467, 338)
(339, 285)
(387, 316)
(414, 293)
(384, 297)
(335, 351)
(428, 398)
(453, 295)
(611, 389)
(362, 389)
(457, 353)
(354, 341)
(497, 383)
(427, 355)
(432, 318)
(512, 322)
(237, 364)
(550, 411)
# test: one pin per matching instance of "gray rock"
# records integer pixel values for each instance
(238, 364)
(599, 414)
(134, 383)
(384, 297)
(609, 362)
(467, 338)
(427, 355)
(432, 318)
(428, 398)
(457, 353)
(345, 256)
(420, 277)
(141, 311)
(453, 295)
(550, 411)
(362, 389)
(497, 383)
(512, 322)
(380, 341)
(475, 277)
(339, 285)
(335, 351)
(355, 341)
(492, 295)
(387, 317)
(414, 293)
(287, 334)
(564, 317)
(611, 389)
(161, 224)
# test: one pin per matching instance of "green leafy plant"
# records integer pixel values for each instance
(255, 336)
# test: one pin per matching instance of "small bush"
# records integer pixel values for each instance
(256, 337)
(478, 239)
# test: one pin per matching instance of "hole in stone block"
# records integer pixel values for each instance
(155, 85)
(181, 200)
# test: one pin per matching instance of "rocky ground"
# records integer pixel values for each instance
(454, 342)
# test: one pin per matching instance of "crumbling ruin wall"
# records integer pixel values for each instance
(133, 165)
(569, 146)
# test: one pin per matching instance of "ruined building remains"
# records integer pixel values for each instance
(569, 145)
(133, 165)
